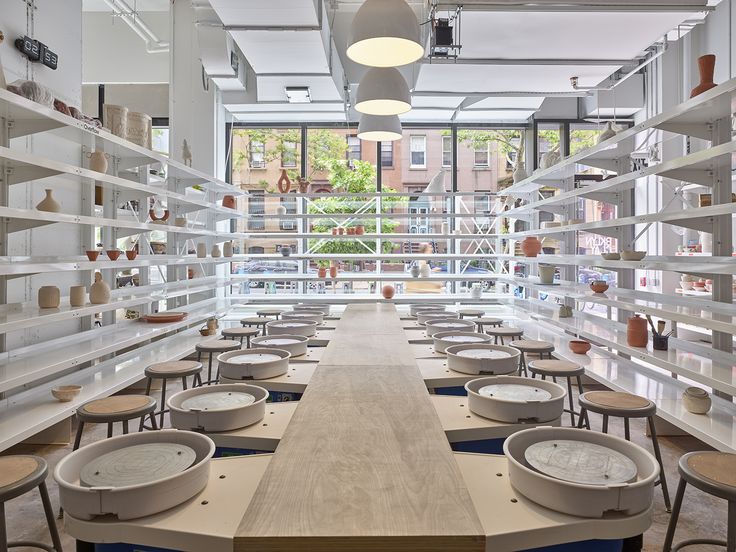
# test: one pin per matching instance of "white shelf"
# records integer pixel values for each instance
(364, 277)
(385, 236)
(349, 298)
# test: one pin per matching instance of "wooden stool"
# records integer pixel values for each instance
(18, 475)
(240, 333)
(211, 347)
(502, 332)
(172, 370)
(118, 408)
(713, 473)
(626, 406)
(483, 322)
(532, 347)
(270, 312)
(560, 369)
(257, 321)
(470, 313)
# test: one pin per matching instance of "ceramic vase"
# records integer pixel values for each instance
(139, 129)
(281, 210)
(77, 296)
(706, 66)
(181, 222)
(99, 292)
(637, 334)
(227, 249)
(520, 172)
(425, 271)
(284, 184)
(546, 274)
(303, 185)
(359, 230)
(201, 250)
(215, 252)
(531, 246)
(706, 242)
(333, 270)
(476, 292)
(322, 272)
(445, 229)
(388, 292)
(49, 204)
(228, 201)
(98, 161)
(414, 271)
(49, 297)
(116, 119)
(285, 250)
(696, 400)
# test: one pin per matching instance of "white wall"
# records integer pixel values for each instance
(147, 98)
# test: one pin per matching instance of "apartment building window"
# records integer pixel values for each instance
(257, 155)
(289, 155)
(447, 151)
(418, 152)
(481, 155)
(256, 210)
(387, 154)
(353, 150)
(290, 204)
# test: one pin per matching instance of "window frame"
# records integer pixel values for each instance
(391, 151)
(447, 139)
(252, 145)
(354, 146)
(487, 152)
(412, 151)
(294, 154)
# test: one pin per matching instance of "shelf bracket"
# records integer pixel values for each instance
(18, 225)
(605, 197)
(28, 127)
(602, 163)
(701, 224)
(25, 173)
(697, 130)
(693, 176)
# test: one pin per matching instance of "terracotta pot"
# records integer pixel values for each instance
(99, 292)
(388, 292)
(706, 66)
(637, 334)
(322, 272)
(334, 231)
(131, 254)
(49, 297)
(350, 231)
(49, 204)
(229, 202)
(360, 230)
(98, 161)
(598, 286)
(154, 218)
(77, 296)
(113, 254)
(284, 183)
(340, 231)
(92, 255)
(333, 272)
(579, 347)
(531, 246)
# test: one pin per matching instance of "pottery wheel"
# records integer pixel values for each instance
(483, 353)
(253, 358)
(278, 341)
(581, 462)
(462, 339)
(515, 392)
(450, 325)
(222, 400)
(137, 465)
(292, 324)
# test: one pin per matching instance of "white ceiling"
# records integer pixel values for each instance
(283, 51)
(263, 13)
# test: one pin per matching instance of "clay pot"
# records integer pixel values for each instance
(131, 254)
(350, 231)
(637, 334)
(333, 272)
(77, 296)
(49, 204)
(139, 129)
(201, 250)
(92, 255)
(229, 202)
(334, 231)
(425, 271)
(414, 271)
(598, 286)
(98, 161)
(359, 230)
(579, 347)
(215, 251)
(388, 292)
(157, 219)
(99, 292)
(113, 254)
(696, 400)
(116, 119)
(227, 249)
(340, 231)
(706, 66)
(181, 222)
(531, 246)
(281, 210)
(49, 297)
(284, 183)
(546, 274)
(285, 250)
(322, 272)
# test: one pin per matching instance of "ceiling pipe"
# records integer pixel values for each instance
(642, 65)
(503, 94)
(585, 7)
(127, 14)
(527, 61)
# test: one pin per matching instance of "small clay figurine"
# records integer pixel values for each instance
(186, 154)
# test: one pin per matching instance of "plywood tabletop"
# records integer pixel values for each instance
(364, 463)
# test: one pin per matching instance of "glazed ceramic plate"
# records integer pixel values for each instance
(163, 317)
(515, 392)
(482, 353)
(222, 400)
(137, 465)
(581, 462)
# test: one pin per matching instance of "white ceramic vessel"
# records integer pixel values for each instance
(138, 500)
(307, 328)
(313, 315)
(246, 364)
(425, 315)
(223, 407)
(483, 359)
(696, 400)
(297, 345)
(437, 325)
(443, 340)
(512, 399)
(414, 309)
(581, 499)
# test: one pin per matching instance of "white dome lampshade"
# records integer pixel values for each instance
(383, 91)
(385, 33)
(379, 128)
(437, 184)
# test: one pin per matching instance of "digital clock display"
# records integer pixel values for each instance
(37, 51)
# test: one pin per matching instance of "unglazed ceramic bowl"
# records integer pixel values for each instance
(629, 255)
(599, 286)
(65, 393)
(579, 347)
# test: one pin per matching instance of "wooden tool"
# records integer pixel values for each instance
(660, 326)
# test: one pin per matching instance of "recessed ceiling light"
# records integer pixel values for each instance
(298, 94)
(383, 91)
(378, 128)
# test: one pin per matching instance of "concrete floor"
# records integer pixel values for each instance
(702, 515)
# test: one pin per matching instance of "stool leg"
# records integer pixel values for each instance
(627, 430)
(605, 423)
(572, 406)
(163, 402)
(580, 392)
(148, 386)
(109, 430)
(78, 438)
(247, 341)
(675, 515)
(49, 516)
(582, 417)
(184, 382)
(731, 539)
(658, 455)
(209, 371)
(125, 427)
(3, 532)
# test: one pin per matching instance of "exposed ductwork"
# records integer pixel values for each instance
(123, 10)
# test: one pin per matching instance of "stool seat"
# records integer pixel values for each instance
(505, 331)
(240, 332)
(556, 368)
(617, 403)
(256, 320)
(174, 369)
(269, 312)
(485, 320)
(711, 471)
(118, 407)
(217, 346)
(471, 312)
(533, 346)
(18, 471)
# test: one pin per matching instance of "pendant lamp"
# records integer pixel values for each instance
(383, 91)
(379, 128)
(385, 33)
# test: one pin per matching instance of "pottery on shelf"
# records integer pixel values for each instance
(340, 231)
(333, 271)
(49, 204)
(637, 334)
(445, 228)
(181, 222)
(215, 251)
(334, 231)
(49, 297)
(281, 210)
(139, 129)
(476, 291)
(706, 66)
(285, 250)
(99, 292)
(302, 184)
(229, 202)
(322, 272)
(283, 183)
(549, 159)
(350, 231)
(611, 256)
(599, 286)
(546, 274)
(159, 219)
(227, 249)
(186, 154)
(425, 271)
(414, 271)
(531, 246)
(92, 254)
(131, 254)
(77, 296)
(65, 393)
(388, 291)
(98, 161)
(201, 250)
(609, 131)
(696, 400)
(116, 119)
(359, 230)
(113, 254)
(565, 311)
(579, 347)
(629, 255)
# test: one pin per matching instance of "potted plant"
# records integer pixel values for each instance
(322, 269)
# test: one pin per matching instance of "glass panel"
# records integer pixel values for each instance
(289, 155)
(482, 156)
(447, 151)
(548, 144)
(418, 152)
(387, 154)
(354, 153)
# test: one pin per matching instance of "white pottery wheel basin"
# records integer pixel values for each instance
(307, 328)
(514, 399)
(297, 345)
(137, 500)
(325, 310)
(424, 316)
(223, 407)
(248, 364)
(590, 500)
(482, 359)
(443, 340)
(448, 325)
(314, 316)
(416, 309)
